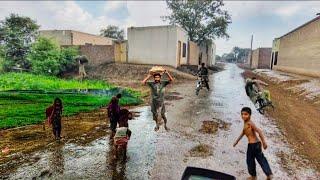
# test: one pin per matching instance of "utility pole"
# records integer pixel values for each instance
(251, 51)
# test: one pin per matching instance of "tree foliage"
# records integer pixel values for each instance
(47, 58)
(112, 32)
(237, 55)
(202, 20)
(16, 34)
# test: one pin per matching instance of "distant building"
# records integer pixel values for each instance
(71, 37)
(260, 58)
(205, 53)
(298, 51)
(161, 45)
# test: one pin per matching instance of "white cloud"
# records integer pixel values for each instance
(114, 5)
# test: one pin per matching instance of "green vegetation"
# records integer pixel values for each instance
(46, 57)
(26, 81)
(19, 107)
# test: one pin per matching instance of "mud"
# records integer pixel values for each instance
(223, 103)
(297, 117)
(86, 152)
(201, 150)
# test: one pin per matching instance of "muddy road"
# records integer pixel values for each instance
(202, 132)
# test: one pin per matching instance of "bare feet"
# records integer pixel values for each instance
(156, 128)
(270, 177)
(252, 178)
(166, 128)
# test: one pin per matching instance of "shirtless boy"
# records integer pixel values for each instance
(254, 150)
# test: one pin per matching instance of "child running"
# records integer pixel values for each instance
(54, 114)
(254, 150)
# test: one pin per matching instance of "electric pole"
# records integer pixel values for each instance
(251, 51)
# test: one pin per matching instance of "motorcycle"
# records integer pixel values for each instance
(261, 102)
(200, 83)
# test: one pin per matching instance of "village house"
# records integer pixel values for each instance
(261, 58)
(161, 45)
(167, 45)
(298, 51)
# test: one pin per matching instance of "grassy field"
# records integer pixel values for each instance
(19, 108)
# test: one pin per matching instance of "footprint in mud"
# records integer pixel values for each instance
(201, 150)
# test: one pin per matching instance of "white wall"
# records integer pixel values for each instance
(155, 45)
(183, 37)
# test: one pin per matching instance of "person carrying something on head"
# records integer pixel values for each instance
(157, 87)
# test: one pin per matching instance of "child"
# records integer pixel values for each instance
(54, 114)
(113, 114)
(254, 150)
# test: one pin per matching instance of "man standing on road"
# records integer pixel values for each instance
(203, 72)
(157, 96)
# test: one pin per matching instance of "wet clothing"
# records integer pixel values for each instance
(56, 121)
(113, 114)
(157, 90)
(157, 99)
(254, 151)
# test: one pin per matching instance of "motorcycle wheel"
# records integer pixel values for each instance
(259, 105)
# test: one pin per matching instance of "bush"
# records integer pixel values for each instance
(44, 57)
(68, 59)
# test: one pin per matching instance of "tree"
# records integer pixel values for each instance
(16, 34)
(47, 58)
(240, 53)
(112, 32)
(203, 20)
(44, 57)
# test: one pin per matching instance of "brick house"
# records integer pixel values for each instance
(261, 58)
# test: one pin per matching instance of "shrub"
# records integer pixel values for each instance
(45, 57)
(68, 59)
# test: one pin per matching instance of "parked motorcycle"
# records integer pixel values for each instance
(200, 83)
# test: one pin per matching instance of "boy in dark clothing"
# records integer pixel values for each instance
(113, 114)
(157, 97)
(254, 150)
(203, 72)
(125, 116)
(54, 114)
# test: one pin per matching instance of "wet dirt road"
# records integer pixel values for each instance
(164, 155)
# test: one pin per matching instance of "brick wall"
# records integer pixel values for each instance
(299, 51)
(97, 54)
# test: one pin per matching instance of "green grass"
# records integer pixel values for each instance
(26, 81)
(22, 108)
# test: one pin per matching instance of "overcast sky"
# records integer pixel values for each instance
(264, 19)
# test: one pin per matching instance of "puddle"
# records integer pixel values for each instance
(94, 160)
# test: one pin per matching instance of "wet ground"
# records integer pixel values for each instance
(202, 131)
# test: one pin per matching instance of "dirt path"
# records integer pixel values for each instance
(298, 117)
(203, 130)
(219, 111)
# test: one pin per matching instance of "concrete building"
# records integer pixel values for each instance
(208, 53)
(298, 51)
(71, 37)
(161, 45)
(261, 58)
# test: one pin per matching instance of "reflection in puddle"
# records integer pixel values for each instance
(95, 160)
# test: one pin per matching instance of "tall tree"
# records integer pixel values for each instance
(203, 20)
(112, 32)
(16, 34)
